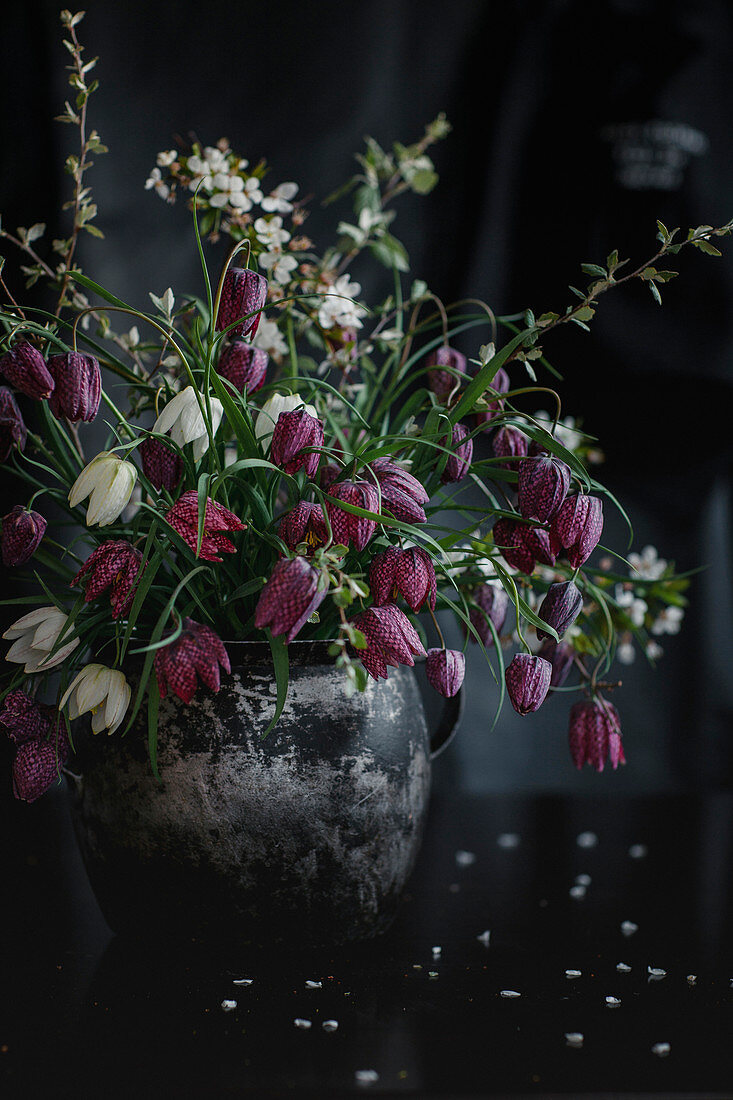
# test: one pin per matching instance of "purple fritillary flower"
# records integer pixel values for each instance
(294, 431)
(26, 369)
(493, 602)
(35, 768)
(500, 383)
(294, 591)
(577, 528)
(561, 656)
(197, 653)
(509, 443)
(560, 608)
(304, 523)
(78, 386)
(184, 518)
(12, 428)
(22, 532)
(244, 293)
(446, 669)
(522, 546)
(543, 485)
(594, 734)
(440, 364)
(244, 366)
(391, 639)
(402, 494)
(162, 466)
(408, 572)
(459, 461)
(23, 718)
(115, 565)
(348, 528)
(528, 681)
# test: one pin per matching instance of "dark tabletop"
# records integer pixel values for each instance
(424, 1010)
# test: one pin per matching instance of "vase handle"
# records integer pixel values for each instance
(451, 716)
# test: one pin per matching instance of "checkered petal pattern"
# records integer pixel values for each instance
(293, 592)
(35, 769)
(26, 369)
(577, 528)
(510, 443)
(304, 523)
(22, 532)
(198, 653)
(401, 493)
(522, 546)
(459, 461)
(594, 734)
(446, 669)
(294, 431)
(77, 386)
(391, 639)
(440, 380)
(244, 293)
(347, 528)
(22, 717)
(244, 366)
(162, 466)
(113, 566)
(414, 578)
(543, 485)
(560, 607)
(184, 518)
(493, 602)
(500, 383)
(13, 432)
(561, 656)
(527, 682)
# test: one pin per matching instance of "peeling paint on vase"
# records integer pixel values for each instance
(311, 833)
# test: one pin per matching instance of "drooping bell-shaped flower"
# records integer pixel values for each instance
(293, 432)
(13, 431)
(243, 297)
(348, 528)
(391, 639)
(108, 481)
(244, 365)
(23, 718)
(113, 566)
(509, 443)
(522, 546)
(304, 523)
(409, 572)
(577, 527)
(594, 734)
(493, 602)
(560, 608)
(293, 592)
(182, 418)
(25, 367)
(77, 386)
(218, 521)
(22, 532)
(441, 364)
(527, 682)
(197, 653)
(34, 635)
(561, 656)
(542, 487)
(268, 415)
(162, 466)
(35, 769)
(459, 460)
(446, 669)
(402, 494)
(500, 384)
(103, 691)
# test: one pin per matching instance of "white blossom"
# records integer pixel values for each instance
(279, 264)
(103, 691)
(668, 621)
(337, 308)
(270, 232)
(34, 635)
(566, 432)
(166, 158)
(270, 339)
(653, 650)
(108, 481)
(626, 653)
(633, 605)
(155, 179)
(278, 201)
(182, 418)
(647, 566)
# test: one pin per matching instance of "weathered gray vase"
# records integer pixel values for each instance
(311, 833)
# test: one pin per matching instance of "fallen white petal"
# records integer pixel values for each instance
(242, 981)
(300, 1022)
(484, 938)
(574, 1038)
(313, 985)
(661, 1049)
(628, 927)
(510, 993)
(228, 1006)
(623, 968)
(330, 1025)
(573, 973)
(465, 859)
(586, 840)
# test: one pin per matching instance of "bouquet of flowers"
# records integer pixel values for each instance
(284, 461)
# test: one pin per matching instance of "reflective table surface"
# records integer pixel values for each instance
(547, 946)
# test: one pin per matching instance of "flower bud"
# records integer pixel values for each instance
(577, 528)
(445, 670)
(293, 432)
(499, 383)
(560, 608)
(441, 363)
(77, 386)
(244, 366)
(243, 297)
(528, 681)
(543, 485)
(594, 734)
(22, 532)
(26, 369)
(347, 528)
(459, 461)
(162, 466)
(493, 604)
(12, 428)
(509, 443)
(561, 656)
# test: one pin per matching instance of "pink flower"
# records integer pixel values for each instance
(115, 565)
(162, 466)
(184, 518)
(26, 369)
(23, 718)
(12, 428)
(244, 366)
(78, 386)
(577, 527)
(293, 432)
(445, 670)
(35, 768)
(22, 532)
(543, 485)
(294, 591)
(402, 494)
(522, 545)
(409, 572)
(196, 653)
(527, 681)
(305, 523)
(391, 639)
(347, 528)
(441, 363)
(594, 734)
(243, 297)
(459, 461)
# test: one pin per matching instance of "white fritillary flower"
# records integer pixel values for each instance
(647, 566)
(34, 635)
(108, 481)
(103, 691)
(183, 420)
(278, 201)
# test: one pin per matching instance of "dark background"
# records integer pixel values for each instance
(536, 178)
